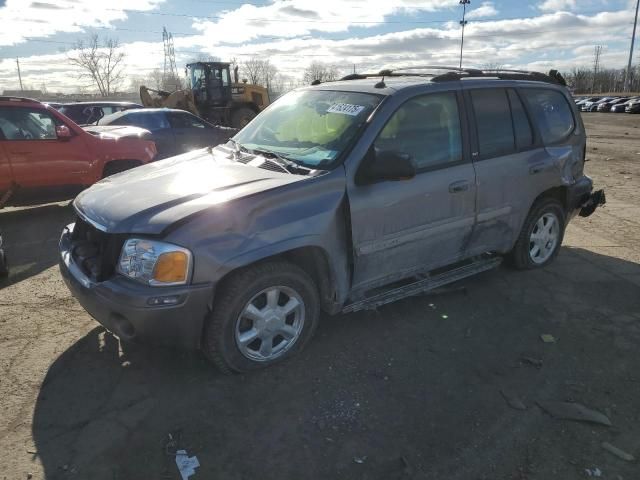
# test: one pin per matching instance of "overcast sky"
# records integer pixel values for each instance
(370, 34)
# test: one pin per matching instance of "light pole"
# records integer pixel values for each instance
(627, 82)
(463, 22)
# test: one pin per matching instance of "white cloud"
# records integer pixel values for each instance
(557, 5)
(559, 40)
(48, 17)
(294, 18)
(486, 9)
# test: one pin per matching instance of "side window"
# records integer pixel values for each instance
(27, 124)
(151, 121)
(521, 124)
(427, 128)
(551, 112)
(493, 122)
(184, 120)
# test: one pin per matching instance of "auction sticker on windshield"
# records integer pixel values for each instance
(346, 109)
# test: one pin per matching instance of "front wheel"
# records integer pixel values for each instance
(541, 236)
(263, 314)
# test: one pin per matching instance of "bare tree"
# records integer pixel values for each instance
(101, 62)
(252, 70)
(322, 72)
(259, 72)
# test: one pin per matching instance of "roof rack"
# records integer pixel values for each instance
(456, 73)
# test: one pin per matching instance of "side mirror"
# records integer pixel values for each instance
(390, 165)
(63, 132)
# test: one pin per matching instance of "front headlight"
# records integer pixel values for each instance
(155, 263)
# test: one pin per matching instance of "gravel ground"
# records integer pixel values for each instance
(417, 390)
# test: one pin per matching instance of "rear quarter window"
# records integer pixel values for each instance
(551, 113)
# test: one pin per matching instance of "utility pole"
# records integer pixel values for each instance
(170, 72)
(627, 86)
(19, 75)
(596, 65)
(463, 22)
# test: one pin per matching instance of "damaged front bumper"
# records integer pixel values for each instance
(582, 200)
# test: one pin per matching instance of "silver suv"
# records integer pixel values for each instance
(339, 197)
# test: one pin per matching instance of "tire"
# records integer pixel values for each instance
(231, 323)
(524, 254)
(241, 117)
(4, 266)
(112, 168)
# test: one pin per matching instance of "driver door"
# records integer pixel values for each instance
(37, 157)
(402, 227)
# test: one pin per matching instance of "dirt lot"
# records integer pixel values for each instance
(412, 391)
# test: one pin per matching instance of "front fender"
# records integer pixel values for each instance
(308, 213)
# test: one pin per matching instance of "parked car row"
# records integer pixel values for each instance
(608, 104)
(46, 155)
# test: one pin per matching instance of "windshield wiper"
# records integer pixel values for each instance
(284, 162)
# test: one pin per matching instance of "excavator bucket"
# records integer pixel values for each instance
(180, 99)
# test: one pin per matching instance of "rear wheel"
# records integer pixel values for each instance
(242, 116)
(263, 314)
(541, 236)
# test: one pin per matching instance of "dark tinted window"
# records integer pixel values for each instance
(551, 112)
(151, 121)
(185, 120)
(427, 128)
(493, 122)
(524, 134)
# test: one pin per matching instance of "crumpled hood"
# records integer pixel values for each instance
(150, 198)
(117, 131)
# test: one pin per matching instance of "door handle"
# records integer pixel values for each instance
(459, 186)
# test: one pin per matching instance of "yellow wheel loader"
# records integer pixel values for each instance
(212, 96)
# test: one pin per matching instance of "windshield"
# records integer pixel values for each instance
(309, 127)
(197, 77)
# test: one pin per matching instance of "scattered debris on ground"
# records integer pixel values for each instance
(512, 399)
(536, 362)
(186, 465)
(593, 472)
(574, 411)
(617, 452)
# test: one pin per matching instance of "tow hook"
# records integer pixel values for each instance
(595, 200)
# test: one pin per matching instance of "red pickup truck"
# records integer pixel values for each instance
(43, 152)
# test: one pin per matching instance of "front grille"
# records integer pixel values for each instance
(96, 252)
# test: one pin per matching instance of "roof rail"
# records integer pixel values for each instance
(17, 99)
(456, 73)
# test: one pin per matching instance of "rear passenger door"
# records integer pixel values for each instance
(511, 164)
(156, 122)
(190, 132)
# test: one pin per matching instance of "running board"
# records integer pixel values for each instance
(424, 285)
